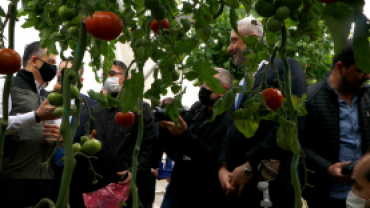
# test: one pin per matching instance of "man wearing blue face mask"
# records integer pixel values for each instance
(32, 124)
(359, 196)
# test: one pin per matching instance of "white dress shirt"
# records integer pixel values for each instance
(20, 121)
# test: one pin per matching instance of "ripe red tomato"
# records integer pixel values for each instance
(104, 25)
(328, 1)
(10, 61)
(273, 97)
(125, 119)
(155, 25)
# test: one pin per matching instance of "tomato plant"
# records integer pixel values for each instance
(273, 98)
(125, 119)
(65, 13)
(328, 1)
(154, 25)
(104, 25)
(10, 61)
(265, 8)
(84, 139)
(76, 147)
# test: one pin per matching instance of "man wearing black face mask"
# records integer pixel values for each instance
(194, 180)
(31, 124)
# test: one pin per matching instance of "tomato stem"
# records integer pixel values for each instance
(293, 116)
(69, 161)
(140, 122)
(45, 202)
(12, 11)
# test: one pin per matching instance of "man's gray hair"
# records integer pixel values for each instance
(225, 77)
(250, 25)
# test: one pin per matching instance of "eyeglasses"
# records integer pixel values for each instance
(111, 74)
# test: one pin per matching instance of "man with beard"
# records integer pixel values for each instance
(118, 143)
(194, 181)
(337, 129)
(240, 157)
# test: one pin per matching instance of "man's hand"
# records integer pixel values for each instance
(335, 172)
(46, 112)
(225, 179)
(239, 179)
(155, 172)
(175, 130)
(52, 132)
(127, 180)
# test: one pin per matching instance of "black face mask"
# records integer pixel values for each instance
(205, 96)
(47, 71)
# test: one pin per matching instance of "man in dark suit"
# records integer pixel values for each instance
(241, 156)
(337, 129)
(118, 144)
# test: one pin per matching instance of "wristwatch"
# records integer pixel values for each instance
(37, 118)
(247, 171)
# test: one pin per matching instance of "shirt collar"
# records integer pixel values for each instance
(355, 94)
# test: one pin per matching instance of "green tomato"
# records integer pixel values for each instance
(59, 111)
(265, 8)
(55, 98)
(65, 13)
(282, 12)
(292, 4)
(74, 92)
(91, 147)
(274, 25)
(74, 31)
(151, 4)
(84, 139)
(76, 147)
(175, 75)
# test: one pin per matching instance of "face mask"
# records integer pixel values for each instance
(205, 96)
(47, 71)
(112, 85)
(353, 201)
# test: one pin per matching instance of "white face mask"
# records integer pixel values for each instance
(112, 85)
(353, 201)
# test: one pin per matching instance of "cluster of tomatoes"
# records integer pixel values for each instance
(88, 145)
(56, 98)
(279, 10)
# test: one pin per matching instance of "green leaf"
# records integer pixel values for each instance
(224, 103)
(187, 7)
(339, 23)
(203, 30)
(247, 127)
(29, 23)
(247, 5)
(133, 90)
(361, 43)
(98, 97)
(173, 112)
(191, 75)
(185, 24)
(207, 74)
(154, 102)
(287, 136)
(234, 17)
(280, 139)
(187, 45)
(2, 13)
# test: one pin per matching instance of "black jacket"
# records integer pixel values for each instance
(118, 144)
(195, 183)
(239, 149)
(320, 137)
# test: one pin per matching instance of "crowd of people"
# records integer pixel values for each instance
(214, 164)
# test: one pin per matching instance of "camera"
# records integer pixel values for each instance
(161, 114)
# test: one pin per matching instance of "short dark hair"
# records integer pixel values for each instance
(346, 56)
(30, 50)
(120, 64)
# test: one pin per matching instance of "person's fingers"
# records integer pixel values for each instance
(51, 126)
(181, 120)
(230, 189)
(45, 102)
(128, 179)
(168, 123)
(240, 190)
(121, 173)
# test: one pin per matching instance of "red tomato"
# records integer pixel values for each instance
(125, 119)
(10, 61)
(104, 25)
(328, 1)
(274, 98)
(155, 25)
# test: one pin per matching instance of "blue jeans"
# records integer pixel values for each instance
(168, 199)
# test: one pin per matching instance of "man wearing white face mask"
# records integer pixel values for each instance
(115, 79)
(359, 196)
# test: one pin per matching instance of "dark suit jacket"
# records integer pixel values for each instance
(262, 145)
(118, 144)
(83, 117)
